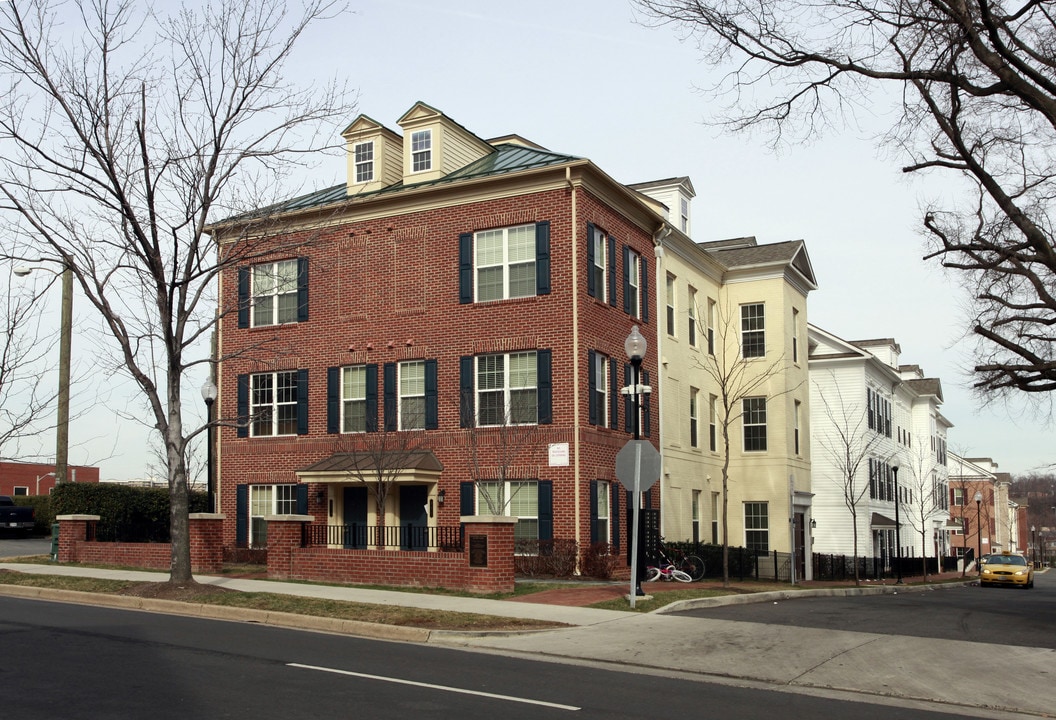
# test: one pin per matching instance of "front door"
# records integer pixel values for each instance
(355, 517)
(801, 547)
(414, 522)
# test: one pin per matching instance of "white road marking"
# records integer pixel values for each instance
(445, 688)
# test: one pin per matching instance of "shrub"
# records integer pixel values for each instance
(43, 515)
(599, 561)
(126, 514)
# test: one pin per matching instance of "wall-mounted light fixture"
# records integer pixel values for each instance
(440, 497)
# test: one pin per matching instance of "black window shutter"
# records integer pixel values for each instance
(242, 516)
(628, 400)
(614, 394)
(643, 290)
(302, 289)
(432, 414)
(592, 388)
(646, 415)
(467, 498)
(542, 258)
(243, 297)
(612, 271)
(614, 519)
(545, 387)
(372, 397)
(390, 397)
(591, 290)
(302, 499)
(546, 510)
(467, 402)
(243, 406)
(594, 534)
(627, 280)
(465, 268)
(333, 400)
(302, 402)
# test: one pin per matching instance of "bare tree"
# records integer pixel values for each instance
(25, 398)
(123, 132)
(848, 443)
(923, 496)
(738, 380)
(975, 95)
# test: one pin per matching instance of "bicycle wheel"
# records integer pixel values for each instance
(693, 566)
(652, 574)
(677, 574)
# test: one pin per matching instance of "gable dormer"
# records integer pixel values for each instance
(435, 145)
(375, 155)
(675, 195)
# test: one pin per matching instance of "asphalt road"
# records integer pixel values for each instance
(88, 662)
(11, 546)
(1000, 615)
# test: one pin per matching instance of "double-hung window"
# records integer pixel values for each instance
(756, 527)
(354, 399)
(632, 283)
(795, 431)
(421, 150)
(273, 403)
(513, 498)
(599, 380)
(694, 418)
(711, 326)
(267, 500)
(753, 335)
(754, 417)
(412, 395)
(671, 305)
(505, 263)
(691, 307)
(274, 293)
(713, 421)
(507, 389)
(598, 265)
(364, 161)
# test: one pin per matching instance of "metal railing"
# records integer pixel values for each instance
(361, 536)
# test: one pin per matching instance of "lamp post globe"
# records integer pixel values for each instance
(209, 396)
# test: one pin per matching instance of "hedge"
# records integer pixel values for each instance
(126, 514)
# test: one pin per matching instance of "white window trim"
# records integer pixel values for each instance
(274, 505)
(604, 488)
(761, 329)
(506, 264)
(634, 279)
(672, 309)
(421, 150)
(364, 169)
(256, 409)
(508, 494)
(508, 389)
(747, 529)
(601, 262)
(403, 423)
(694, 417)
(745, 424)
(601, 387)
(23, 488)
(271, 270)
(345, 400)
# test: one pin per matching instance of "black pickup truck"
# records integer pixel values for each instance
(15, 517)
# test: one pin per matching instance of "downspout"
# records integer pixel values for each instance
(658, 252)
(575, 355)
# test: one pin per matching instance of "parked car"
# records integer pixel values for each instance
(15, 517)
(1006, 569)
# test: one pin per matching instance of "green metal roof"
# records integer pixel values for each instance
(507, 158)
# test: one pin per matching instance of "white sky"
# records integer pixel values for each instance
(583, 78)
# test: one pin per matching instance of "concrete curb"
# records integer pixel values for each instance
(226, 613)
(777, 595)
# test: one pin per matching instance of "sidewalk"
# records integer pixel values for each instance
(890, 668)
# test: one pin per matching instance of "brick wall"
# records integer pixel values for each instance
(386, 289)
(24, 475)
(206, 535)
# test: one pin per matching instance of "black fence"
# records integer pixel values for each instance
(841, 567)
(369, 537)
(744, 564)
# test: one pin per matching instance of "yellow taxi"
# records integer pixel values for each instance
(1006, 569)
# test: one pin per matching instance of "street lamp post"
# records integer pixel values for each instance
(209, 395)
(635, 346)
(62, 421)
(1033, 546)
(979, 531)
(898, 529)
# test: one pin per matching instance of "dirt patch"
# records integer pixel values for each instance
(183, 592)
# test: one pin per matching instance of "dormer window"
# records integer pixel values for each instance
(421, 150)
(364, 153)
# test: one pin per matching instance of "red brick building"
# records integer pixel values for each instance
(448, 326)
(17, 478)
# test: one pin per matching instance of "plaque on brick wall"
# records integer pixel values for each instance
(478, 550)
